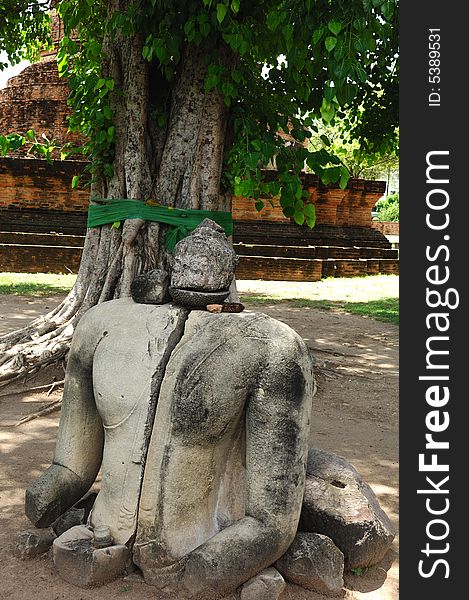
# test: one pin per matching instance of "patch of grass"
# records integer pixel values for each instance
(35, 284)
(382, 309)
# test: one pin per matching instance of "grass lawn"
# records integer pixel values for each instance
(375, 296)
(35, 284)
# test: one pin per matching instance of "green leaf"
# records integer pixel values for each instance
(317, 35)
(75, 181)
(330, 43)
(116, 225)
(30, 135)
(204, 29)
(288, 31)
(299, 217)
(259, 205)
(335, 27)
(221, 12)
(329, 93)
(325, 140)
(310, 210)
(235, 6)
(110, 84)
(327, 111)
(388, 9)
(288, 211)
(344, 177)
(236, 76)
(346, 93)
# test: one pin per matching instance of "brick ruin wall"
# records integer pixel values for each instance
(27, 183)
(350, 207)
(36, 184)
(386, 227)
(36, 196)
(37, 99)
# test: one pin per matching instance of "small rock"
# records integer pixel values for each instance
(151, 287)
(70, 518)
(339, 504)
(267, 585)
(80, 563)
(315, 563)
(77, 515)
(34, 542)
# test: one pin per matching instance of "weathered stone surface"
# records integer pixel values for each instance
(55, 492)
(206, 523)
(34, 542)
(204, 260)
(268, 585)
(141, 336)
(80, 563)
(77, 515)
(339, 504)
(314, 562)
(196, 300)
(151, 287)
(113, 397)
(70, 518)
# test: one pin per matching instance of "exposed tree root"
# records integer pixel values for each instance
(48, 386)
(40, 413)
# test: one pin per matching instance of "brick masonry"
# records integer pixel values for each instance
(37, 98)
(349, 207)
(386, 227)
(28, 183)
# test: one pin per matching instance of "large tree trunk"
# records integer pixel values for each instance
(178, 166)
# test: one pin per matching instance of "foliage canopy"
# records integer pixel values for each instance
(24, 29)
(292, 62)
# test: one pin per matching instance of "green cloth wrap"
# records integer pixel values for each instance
(182, 220)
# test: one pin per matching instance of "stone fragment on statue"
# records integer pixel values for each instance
(215, 308)
(204, 260)
(77, 515)
(228, 307)
(151, 287)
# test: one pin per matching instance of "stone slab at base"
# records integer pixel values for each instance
(79, 563)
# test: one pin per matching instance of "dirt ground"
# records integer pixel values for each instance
(355, 414)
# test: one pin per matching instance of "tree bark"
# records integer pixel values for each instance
(179, 166)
